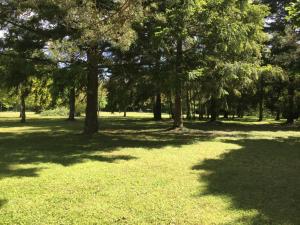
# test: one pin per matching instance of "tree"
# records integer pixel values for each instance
(283, 46)
(231, 38)
(89, 23)
(70, 74)
(99, 22)
(175, 32)
(267, 74)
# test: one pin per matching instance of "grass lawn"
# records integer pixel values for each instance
(136, 172)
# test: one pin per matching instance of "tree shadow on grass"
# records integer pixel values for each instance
(229, 126)
(52, 124)
(135, 124)
(3, 202)
(8, 171)
(262, 175)
(50, 142)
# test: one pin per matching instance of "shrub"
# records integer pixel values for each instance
(61, 111)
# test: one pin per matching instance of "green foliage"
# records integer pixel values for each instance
(40, 97)
(102, 96)
(294, 13)
(60, 111)
(79, 108)
(7, 100)
(271, 72)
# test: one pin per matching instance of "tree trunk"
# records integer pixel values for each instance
(213, 110)
(72, 99)
(201, 112)
(91, 119)
(240, 109)
(261, 99)
(226, 114)
(207, 112)
(188, 105)
(178, 123)
(194, 108)
(171, 111)
(157, 107)
(291, 100)
(23, 109)
(277, 115)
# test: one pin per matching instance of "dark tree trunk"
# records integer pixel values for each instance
(261, 99)
(207, 112)
(201, 116)
(171, 111)
(157, 107)
(278, 109)
(226, 115)
(178, 123)
(201, 112)
(277, 115)
(291, 100)
(91, 119)
(188, 105)
(23, 109)
(240, 109)
(213, 110)
(72, 99)
(194, 108)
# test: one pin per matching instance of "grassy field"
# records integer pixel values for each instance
(136, 172)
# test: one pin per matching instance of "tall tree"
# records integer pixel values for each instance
(231, 39)
(91, 23)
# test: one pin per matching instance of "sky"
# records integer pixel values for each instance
(1, 33)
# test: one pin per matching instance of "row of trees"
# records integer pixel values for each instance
(204, 57)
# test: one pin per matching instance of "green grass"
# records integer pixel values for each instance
(136, 172)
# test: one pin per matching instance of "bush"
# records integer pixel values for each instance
(79, 108)
(61, 111)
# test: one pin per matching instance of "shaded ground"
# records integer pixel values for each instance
(262, 175)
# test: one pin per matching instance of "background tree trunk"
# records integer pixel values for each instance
(277, 115)
(201, 109)
(194, 108)
(171, 111)
(91, 118)
(213, 110)
(261, 99)
(226, 114)
(157, 107)
(291, 100)
(72, 99)
(240, 109)
(188, 105)
(23, 109)
(125, 112)
(178, 123)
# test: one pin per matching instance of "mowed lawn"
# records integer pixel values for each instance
(135, 171)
